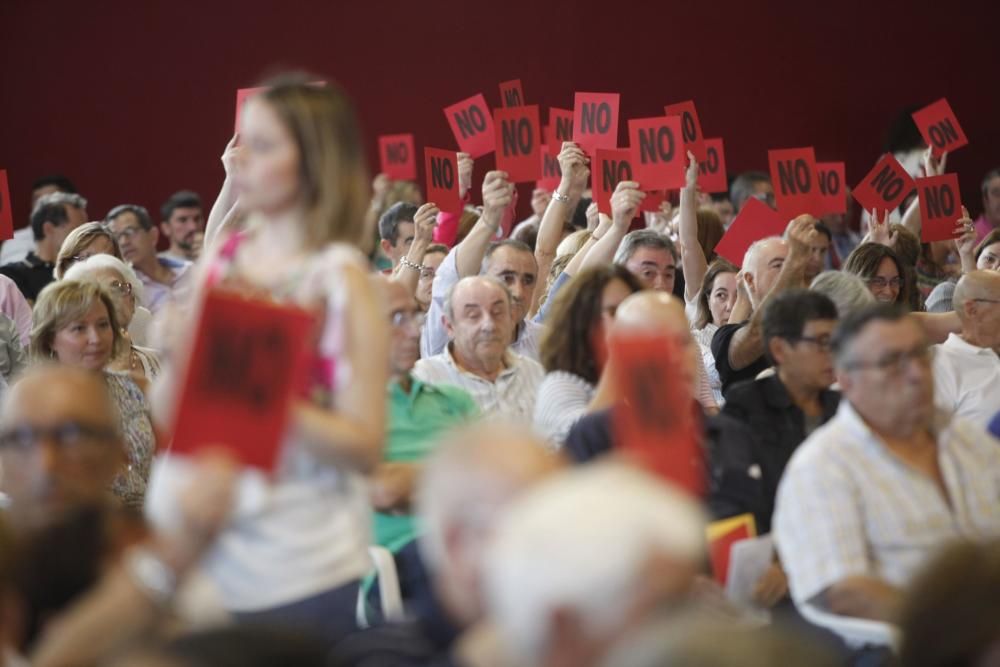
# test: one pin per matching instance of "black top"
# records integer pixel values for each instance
(721, 341)
(30, 275)
(747, 463)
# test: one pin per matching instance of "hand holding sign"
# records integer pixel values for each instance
(966, 241)
(465, 166)
(230, 154)
(424, 222)
(625, 203)
(498, 195)
(933, 164)
(880, 231)
(573, 165)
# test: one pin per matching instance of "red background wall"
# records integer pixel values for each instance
(134, 100)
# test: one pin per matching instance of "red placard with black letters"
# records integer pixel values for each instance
(398, 156)
(472, 125)
(519, 143)
(511, 94)
(940, 207)
(793, 175)
(608, 169)
(694, 140)
(441, 170)
(6, 215)
(939, 127)
(832, 184)
(657, 150)
(595, 120)
(885, 187)
(712, 170)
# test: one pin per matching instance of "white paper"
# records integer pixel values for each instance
(748, 560)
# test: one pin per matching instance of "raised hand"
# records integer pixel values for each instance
(573, 163)
(540, 201)
(230, 154)
(424, 222)
(879, 231)
(625, 203)
(691, 174)
(934, 166)
(465, 164)
(498, 194)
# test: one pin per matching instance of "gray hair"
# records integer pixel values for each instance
(750, 256)
(847, 291)
(742, 187)
(84, 270)
(643, 238)
(60, 199)
(449, 306)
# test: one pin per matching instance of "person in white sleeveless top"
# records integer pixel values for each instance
(296, 547)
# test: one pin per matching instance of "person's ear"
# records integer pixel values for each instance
(448, 326)
(155, 233)
(47, 229)
(778, 347)
(386, 246)
(165, 230)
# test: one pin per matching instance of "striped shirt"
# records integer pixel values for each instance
(562, 399)
(849, 507)
(510, 397)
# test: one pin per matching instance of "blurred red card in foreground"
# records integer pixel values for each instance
(6, 217)
(398, 156)
(249, 357)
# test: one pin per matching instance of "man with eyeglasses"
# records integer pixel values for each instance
(870, 496)
(418, 413)
(164, 278)
(966, 366)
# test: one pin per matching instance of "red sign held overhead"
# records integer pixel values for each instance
(242, 95)
(551, 173)
(694, 140)
(595, 121)
(657, 152)
(712, 170)
(655, 423)
(441, 169)
(472, 126)
(398, 157)
(511, 94)
(939, 127)
(249, 358)
(940, 207)
(651, 204)
(755, 221)
(885, 187)
(519, 143)
(793, 174)
(561, 129)
(832, 195)
(6, 216)
(610, 167)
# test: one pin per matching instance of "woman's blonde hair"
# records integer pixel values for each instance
(78, 240)
(63, 302)
(332, 168)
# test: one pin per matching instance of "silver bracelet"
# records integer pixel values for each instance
(560, 197)
(410, 265)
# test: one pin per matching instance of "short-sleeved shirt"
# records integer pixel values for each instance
(728, 375)
(967, 380)
(847, 506)
(158, 294)
(31, 275)
(416, 419)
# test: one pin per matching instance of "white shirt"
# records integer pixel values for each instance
(434, 337)
(18, 247)
(511, 397)
(967, 380)
(847, 506)
(562, 400)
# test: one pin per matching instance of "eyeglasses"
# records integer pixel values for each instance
(123, 288)
(401, 318)
(126, 233)
(879, 282)
(893, 363)
(71, 439)
(822, 343)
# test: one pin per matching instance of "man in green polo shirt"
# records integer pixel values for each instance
(418, 415)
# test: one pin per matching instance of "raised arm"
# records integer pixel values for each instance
(966, 241)
(498, 194)
(424, 222)
(624, 204)
(748, 342)
(225, 202)
(933, 166)
(693, 260)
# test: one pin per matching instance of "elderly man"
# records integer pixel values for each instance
(163, 278)
(584, 557)
(466, 485)
(871, 494)
(54, 216)
(511, 262)
(418, 414)
(479, 322)
(770, 266)
(966, 366)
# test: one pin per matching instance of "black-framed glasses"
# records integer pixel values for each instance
(71, 439)
(895, 362)
(822, 343)
(878, 282)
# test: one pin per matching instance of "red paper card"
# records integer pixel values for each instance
(939, 127)
(652, 201)
(940, 207)
(242, 95)
(655, 421)
(832, 197)
(249, 357)
(6, 215)
(712, 170)
(511, 94)
(694, 140)
(608, 169)
(399, 158)
(519, 143)
(561, 125)
(755, 221)
(551, 173)
(793, 174)
(657, 151)
(472, 126)
(441, 169)
(595, 121)
(885, 187)
(722, 535)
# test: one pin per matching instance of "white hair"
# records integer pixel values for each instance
(750, 256)
(581, 542)
(847, 291)
(86, 268)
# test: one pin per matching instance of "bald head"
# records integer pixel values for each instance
(464, 487)
(761, 265)
(977, 304)
(976, 285)
(69, 447)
